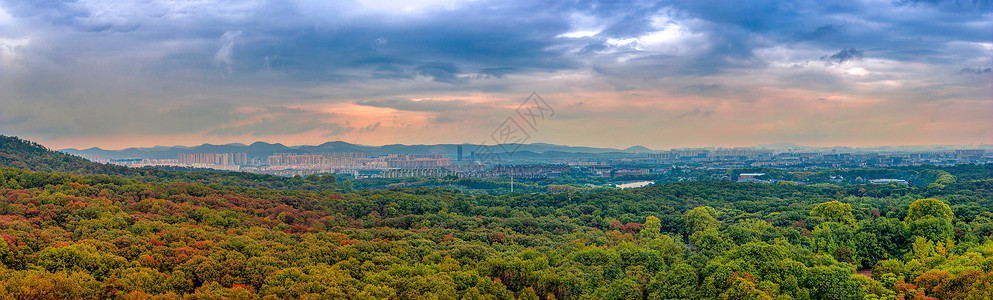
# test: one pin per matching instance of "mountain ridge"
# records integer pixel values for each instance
(260, 148)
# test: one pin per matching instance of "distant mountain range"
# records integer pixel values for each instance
(520, 151)
(261, 149)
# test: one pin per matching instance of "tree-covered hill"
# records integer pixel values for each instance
(18, 153)
(23, 154)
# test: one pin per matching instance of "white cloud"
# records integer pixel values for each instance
(223, 56)
(671, 36)
(622, 42)
(579, 34)
(673, 39)
(857, 71)
(10, 51)
(583, 25)
(5, 18)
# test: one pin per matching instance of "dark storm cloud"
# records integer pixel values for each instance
(441, 72)
(450, 46)
(976, 70)
(370, 128)
(919, 32)
(390, 71)
(183, 67)
(847, 54)
(828, 23)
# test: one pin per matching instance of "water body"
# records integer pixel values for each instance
(636, 184)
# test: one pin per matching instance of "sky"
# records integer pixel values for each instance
(116, 74)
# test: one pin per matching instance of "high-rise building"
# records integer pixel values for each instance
(222, 159)
(971, 154)
(460, 153)
(411, 161)
(665, 155)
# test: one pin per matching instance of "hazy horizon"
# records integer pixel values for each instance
(662, 75)
(567, 145)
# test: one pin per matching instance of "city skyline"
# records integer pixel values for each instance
(619, 148)
(447, 160)
(662, 75)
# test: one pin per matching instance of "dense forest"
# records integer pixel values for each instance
(124, 236)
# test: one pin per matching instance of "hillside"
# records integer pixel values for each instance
(18, 153)
(23, 154)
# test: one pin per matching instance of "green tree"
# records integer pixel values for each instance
(6, 255)
(751, 230)
(80, 257)
(700, 219)
(946, 179)
(710, 242)
(652, 229)
(213, 290)
(928, 207)
(869, 249)
(935, 229)
(678, 283)
(624, 289)
(834, 211)
(832, 282)
(889, 266)
(528, 294)
(745, 289)
(891, 234)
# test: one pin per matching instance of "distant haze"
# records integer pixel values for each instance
(617, 73)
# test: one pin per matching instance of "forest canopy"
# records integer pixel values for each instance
(98, 236)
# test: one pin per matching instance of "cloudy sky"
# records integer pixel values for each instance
(115, 74)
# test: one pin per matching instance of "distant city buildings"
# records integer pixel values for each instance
(406, 161)
(536, 165)
(742, 157)
(744, 176)
(341, 160)
(221, 159)
(628, 172)
(970, 154)
(705, 154)
(529, 170)
(394, 173)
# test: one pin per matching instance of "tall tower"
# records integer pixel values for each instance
(460, 152)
